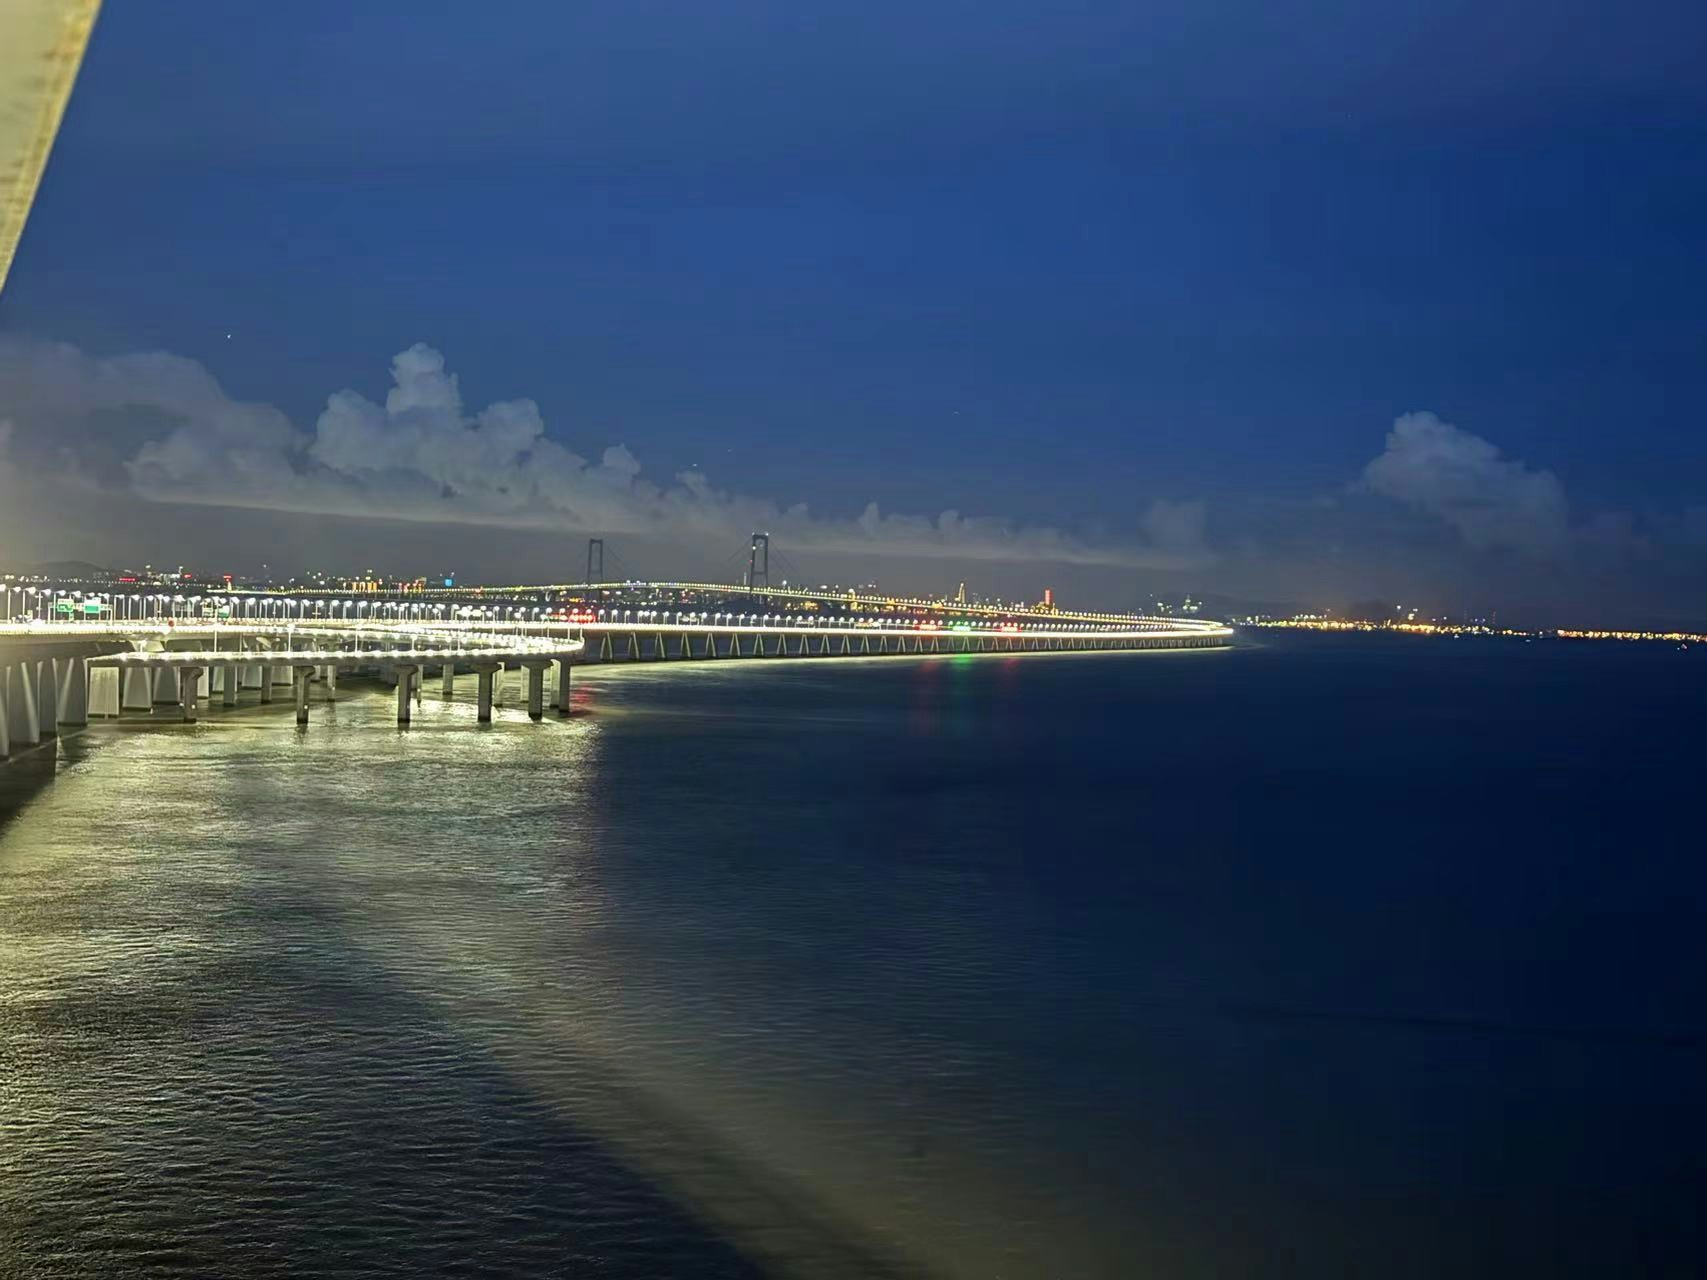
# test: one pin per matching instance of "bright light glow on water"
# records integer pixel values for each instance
(1288, 961)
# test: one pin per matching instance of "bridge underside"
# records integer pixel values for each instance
(41, 47)
(59, 675)
(643, 644)
(56, 675)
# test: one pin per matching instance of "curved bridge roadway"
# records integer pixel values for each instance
(46, 667)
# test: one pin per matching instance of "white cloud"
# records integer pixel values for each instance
(421, 456)
(1491, 500)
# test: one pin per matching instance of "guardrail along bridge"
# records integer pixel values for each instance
(72, 654)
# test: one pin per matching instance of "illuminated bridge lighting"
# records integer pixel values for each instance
(180, 648)
(512, 596)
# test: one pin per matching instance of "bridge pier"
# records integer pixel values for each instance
(103, 692)
(447, 676)
(266, 684)
(23, 722)
(47, 699)
(299, 679)
(229, 677)
(405, 692)
(165, 686)
(563, 668)
(536, 689)
(483, 696)
(135, 693)
(189, 687)
(71, 675)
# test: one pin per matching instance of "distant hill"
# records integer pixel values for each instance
(68, 569)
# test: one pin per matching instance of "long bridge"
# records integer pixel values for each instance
(59, 666)
(58, 673)
(75, 653)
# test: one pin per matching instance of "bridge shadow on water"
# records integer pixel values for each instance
(31, 770)
(379, 1141)
(344, 1124)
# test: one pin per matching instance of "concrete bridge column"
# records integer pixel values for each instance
(230, 677)
(47, 699)
(5, 716)
(483, 697)
(536, 689)
(166, 685)
(448, 675)
(103, 691)
(136, 692)
(23, 723)
(406, 677)
(299, 678)
(189, 688)
(563, 668)
(71, 676)
(266, 684)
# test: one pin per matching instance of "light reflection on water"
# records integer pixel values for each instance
(195, 914)
(859, 968)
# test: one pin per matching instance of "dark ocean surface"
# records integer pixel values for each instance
(1319, 957)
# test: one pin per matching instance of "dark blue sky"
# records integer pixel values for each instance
(1049, 263)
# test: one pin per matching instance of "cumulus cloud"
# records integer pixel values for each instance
(1491, 500)
(422, 456)
(55, 384)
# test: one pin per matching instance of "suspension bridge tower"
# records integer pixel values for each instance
(759, 562)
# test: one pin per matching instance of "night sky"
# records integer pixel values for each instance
(1301, 304)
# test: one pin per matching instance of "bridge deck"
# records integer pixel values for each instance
(48, 670)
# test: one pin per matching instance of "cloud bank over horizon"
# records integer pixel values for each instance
(422, 457)
(112, 458)
(1494, 502)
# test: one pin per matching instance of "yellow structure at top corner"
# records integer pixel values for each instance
(41, 47)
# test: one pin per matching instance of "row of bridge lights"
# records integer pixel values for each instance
(152, 605)
(843, 597)
(40, 601)
(665, 618)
